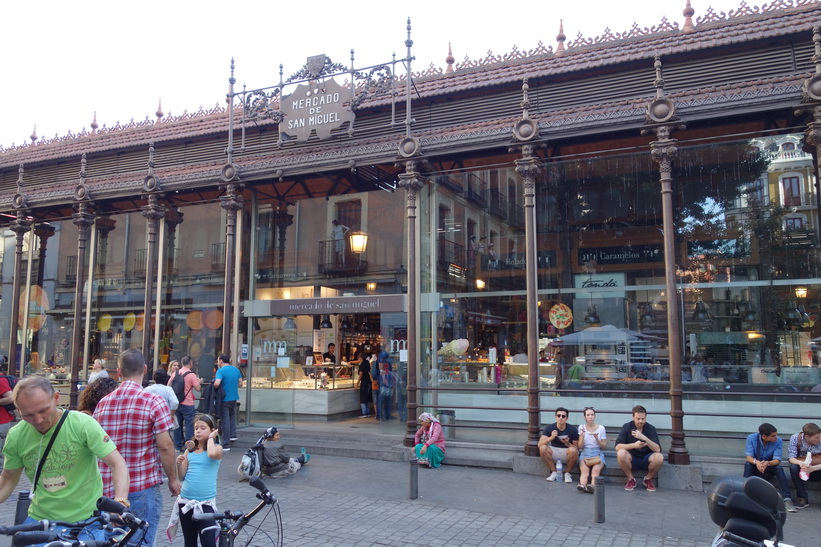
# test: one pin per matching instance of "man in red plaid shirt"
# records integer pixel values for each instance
(140, 425)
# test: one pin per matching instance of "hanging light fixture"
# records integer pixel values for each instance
(359, 242)
(370, 286)
(792, 317)
(326, 323)
(346, 325)
(801, 292)
(806, 322)
(702, 312)
(592, 317)
(751, 315)
(289, 324)
(480, 284)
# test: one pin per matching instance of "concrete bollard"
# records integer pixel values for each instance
(598, 500)
(414, 478)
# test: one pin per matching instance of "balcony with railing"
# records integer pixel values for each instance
(218, 257)
(498, 204)
(516, 215)
(337, 260)
(476, 190)
(139, 263)
(451, 182)
(71, 270)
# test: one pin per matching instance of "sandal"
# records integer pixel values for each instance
(589, 488)
(581, 488)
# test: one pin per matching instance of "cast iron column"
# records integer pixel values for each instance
(525, 137)
(232, 202)
(20, 226)
(811, 97)
(412, 183)
(154, 212)
(43, 231)
(661, 120)
(83, 219)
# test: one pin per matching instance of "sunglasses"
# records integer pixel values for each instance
(561, 415)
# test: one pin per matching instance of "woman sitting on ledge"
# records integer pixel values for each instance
(429, 441)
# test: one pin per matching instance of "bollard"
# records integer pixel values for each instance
(414, 478)
(598, 500)
(21, 512)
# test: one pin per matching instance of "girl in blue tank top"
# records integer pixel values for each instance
(197, 468)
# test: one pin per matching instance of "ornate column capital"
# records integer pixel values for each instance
(232, 200)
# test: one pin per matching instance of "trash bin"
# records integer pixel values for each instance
(448, 419)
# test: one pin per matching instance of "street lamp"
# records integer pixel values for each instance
(359, 242)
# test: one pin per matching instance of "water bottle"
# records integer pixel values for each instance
(805, 476)
(559, 468)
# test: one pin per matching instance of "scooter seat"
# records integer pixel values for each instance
(747, 529)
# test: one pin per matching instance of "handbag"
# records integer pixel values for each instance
(590, 462)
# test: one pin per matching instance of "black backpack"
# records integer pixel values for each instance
(178, 385)
(12, 380)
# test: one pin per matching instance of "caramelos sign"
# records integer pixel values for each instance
(317, 107)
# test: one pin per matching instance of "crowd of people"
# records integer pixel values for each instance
(119, 444)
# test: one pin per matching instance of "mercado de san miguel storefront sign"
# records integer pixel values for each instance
(384, 303)
(318, 107)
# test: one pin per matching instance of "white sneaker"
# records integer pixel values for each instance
(568, 478)
(553, 477)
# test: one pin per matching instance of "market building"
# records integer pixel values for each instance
(632, 217)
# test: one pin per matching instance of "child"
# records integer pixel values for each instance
(276, 463)
(198, 468)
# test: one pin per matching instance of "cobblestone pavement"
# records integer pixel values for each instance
(350, 502)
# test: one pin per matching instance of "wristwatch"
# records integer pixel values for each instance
(123, 501)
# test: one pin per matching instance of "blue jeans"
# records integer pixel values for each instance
(147, 505)
(185, 415)
(751, 470)
(93, 531)
(228, 421)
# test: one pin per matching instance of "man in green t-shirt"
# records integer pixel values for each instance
(70, 482)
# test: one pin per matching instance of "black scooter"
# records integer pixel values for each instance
(749, 511)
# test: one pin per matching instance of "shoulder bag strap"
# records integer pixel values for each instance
(48, 449)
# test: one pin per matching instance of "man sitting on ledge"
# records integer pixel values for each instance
(637, 447)
(763, 459)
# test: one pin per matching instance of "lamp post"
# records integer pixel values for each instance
(661, 120)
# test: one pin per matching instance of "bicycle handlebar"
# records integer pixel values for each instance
(22, 539)
(40, 525)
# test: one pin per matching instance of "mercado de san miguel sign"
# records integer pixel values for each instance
(318, 107)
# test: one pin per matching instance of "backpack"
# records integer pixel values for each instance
(251, 465)
(178, 385)
(12, 380)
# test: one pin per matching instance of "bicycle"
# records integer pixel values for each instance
(111, 515)
(230, 523)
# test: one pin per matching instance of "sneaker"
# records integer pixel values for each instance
(568, 478)
(631, 485)
(553, 476)
(648, 484)
(226, 449)
(801, 503)
(788, 504)
(234, 439)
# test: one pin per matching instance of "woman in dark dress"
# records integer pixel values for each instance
(363, 381)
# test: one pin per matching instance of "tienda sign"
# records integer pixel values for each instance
(316, 107)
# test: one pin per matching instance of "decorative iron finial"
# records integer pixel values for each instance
(33, 136)
(20, 172)
(409, 42)
(159, 113)
(232, 80)
(661, 109)
(449, 60)
(688, 13)
(81, 190)
(94, 125)
(560, 38)
(525, 129)
(19, 200)
(151, 183)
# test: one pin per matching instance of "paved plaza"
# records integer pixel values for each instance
(354, 502)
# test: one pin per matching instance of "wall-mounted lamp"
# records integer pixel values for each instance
(480, 284)
(801, 292)
(370, 286)
(359, 242)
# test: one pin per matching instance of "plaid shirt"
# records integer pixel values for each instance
(132, 417)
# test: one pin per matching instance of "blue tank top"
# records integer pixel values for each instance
(201, 479)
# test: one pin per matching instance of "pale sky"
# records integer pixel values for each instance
(64, 61)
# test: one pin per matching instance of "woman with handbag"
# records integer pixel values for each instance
(592, 442)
